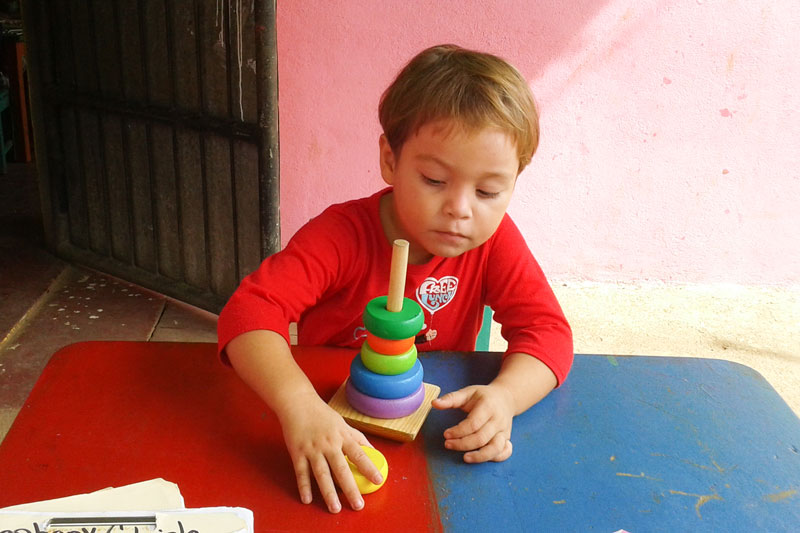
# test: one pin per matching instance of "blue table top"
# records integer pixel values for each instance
(633, 443)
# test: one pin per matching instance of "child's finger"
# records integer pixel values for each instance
(474, 440)
(302, 474)
(454, 400)
(322, 473)
(363, 463)
(476, 419)
(344, 477)
(493, 449)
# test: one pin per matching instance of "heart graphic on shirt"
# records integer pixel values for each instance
(433, 294)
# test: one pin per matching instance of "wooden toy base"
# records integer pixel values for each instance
(404, 429)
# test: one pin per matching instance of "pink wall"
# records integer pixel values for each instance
(670, 133)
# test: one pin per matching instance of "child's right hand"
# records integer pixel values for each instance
(316, 436)
(318, 439)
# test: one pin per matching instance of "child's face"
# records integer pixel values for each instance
(451, 188)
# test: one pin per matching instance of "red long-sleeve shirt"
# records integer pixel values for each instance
(341, 259)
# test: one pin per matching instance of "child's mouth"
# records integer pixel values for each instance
(451, 237)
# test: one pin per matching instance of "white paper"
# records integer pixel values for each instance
(204, 520)
(207, 520)
(155, 497)
(152, 495)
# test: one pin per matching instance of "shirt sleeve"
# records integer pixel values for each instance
(286, 283)
(524, 304)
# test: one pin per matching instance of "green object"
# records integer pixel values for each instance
(388, 365)
(393, 325)
(482, 342)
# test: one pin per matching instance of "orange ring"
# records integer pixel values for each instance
(388, 346)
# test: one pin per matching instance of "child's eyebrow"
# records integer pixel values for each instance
(433, 159)
(498, 174)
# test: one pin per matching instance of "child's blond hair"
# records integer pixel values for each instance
(473, 88)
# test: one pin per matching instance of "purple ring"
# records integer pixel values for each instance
(383, 408)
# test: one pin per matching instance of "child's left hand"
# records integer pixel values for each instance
(486, 432)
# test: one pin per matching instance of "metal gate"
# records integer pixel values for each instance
(156, 130)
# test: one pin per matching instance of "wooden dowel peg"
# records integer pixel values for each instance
(397, 276)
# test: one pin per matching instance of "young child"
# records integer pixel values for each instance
(459, 126)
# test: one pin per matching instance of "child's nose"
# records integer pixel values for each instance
(457, 205)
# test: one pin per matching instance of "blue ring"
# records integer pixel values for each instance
(387, 387)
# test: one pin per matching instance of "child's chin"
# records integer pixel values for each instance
(449, 251)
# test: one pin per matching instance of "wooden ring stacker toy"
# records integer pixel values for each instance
(388, 365)
(388, 387)
(364, 485)
(381, 407)
(388, 346)
(404, 428)
(393, 325)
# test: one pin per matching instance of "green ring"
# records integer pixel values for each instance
(393, 325)
(387, 365)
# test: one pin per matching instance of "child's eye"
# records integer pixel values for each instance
(430, 181)
(487, 194)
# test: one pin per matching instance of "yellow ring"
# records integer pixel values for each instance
(366, 486)
(387, 365)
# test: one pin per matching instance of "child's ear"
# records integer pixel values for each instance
(387, 160)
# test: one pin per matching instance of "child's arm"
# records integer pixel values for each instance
(316, 436)
(485, 434)
(538, 357)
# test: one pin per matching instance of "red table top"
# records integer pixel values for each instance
(113, 413)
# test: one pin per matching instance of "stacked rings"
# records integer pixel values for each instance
(393, 325)
(382, 408)
(385, 386)
(386, 377)
(388, 346)
(389, 365)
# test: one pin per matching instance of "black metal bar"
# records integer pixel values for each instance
(231, 143)
(198, 14)
(125, 140)
(169, 15)
(150, 113)
(268, 147)
(69, 55)
(102, 167)
(80, 142)
(148, 133)
(43, 120)
(226, 29)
